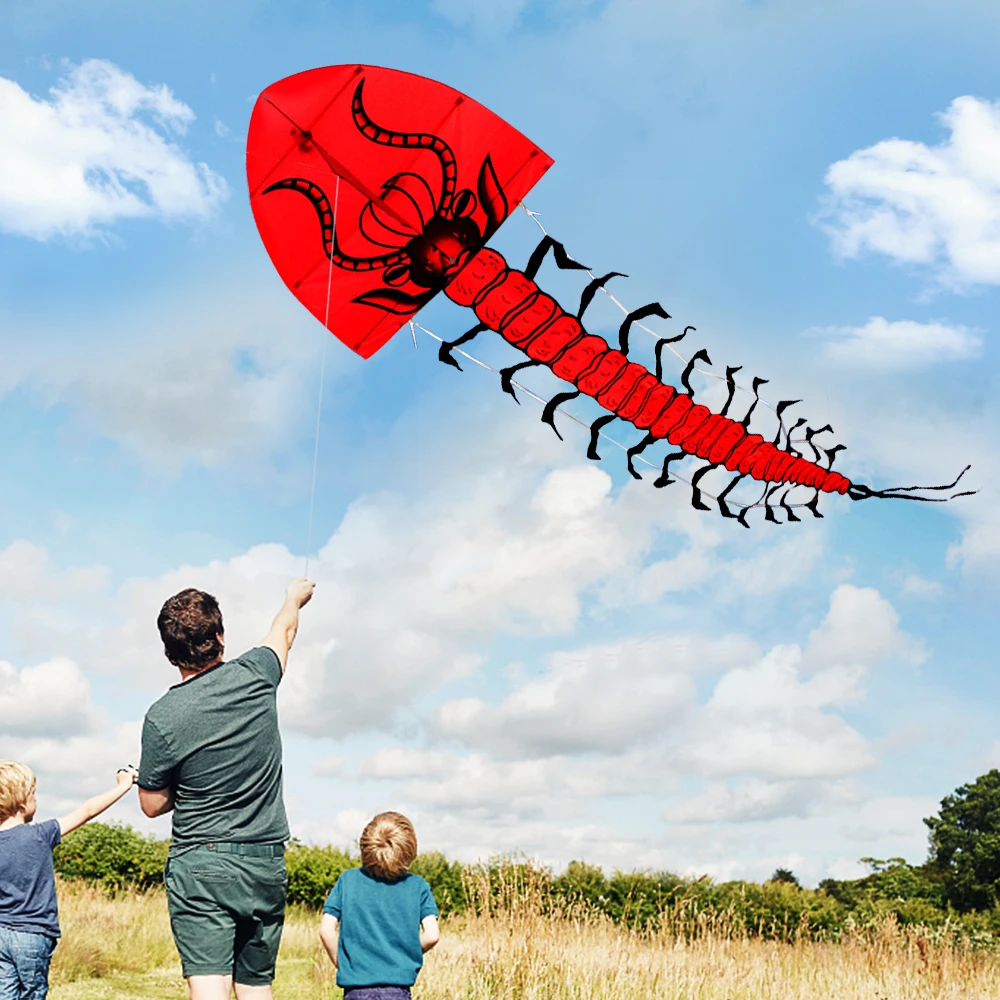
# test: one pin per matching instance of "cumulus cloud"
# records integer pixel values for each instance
(231, 409)
(936, 205)
(101, 148)
(27, 574)
(50, 699)
(607, 698)
(753, 800)
(411, 587)
(635, 707)
(861, 627)
(884, 345)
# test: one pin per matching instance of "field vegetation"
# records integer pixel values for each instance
(512, 929)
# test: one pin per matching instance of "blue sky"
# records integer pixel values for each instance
(523, 649)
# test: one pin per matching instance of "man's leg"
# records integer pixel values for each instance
(263, 887)
(199, 884)
(253, 992)
(210, 987)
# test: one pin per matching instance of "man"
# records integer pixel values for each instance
(211, 752)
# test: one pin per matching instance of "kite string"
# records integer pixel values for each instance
(322, 378)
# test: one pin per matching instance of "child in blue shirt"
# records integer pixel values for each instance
(29, 916)
(379, 920)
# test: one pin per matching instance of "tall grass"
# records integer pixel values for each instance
(520, 941)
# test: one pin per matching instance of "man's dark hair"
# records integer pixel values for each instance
(189, 624)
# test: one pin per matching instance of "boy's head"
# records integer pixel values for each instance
(388, 845)
(190, 625)
(17, 790)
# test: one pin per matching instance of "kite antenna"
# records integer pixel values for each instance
(322, 376)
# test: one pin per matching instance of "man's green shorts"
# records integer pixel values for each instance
(227, 910)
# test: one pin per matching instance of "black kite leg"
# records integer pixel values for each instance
(650, 309)
(730, 381)
(723, 506)
(549, 413)
(788, 510)
(757, 383)
(562, 258)
(810, 434)
(813, 505)
(636, 450)
(444, 351)
(742, 516)
(659, 349)
(831, 453)
(591, 290)
(702, 355)
(788, 438)
(507, 373)
(768, 509)
(778, 410)
(664, 478)
(696, 500)
(595, 432)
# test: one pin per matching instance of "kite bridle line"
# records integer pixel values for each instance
(322, 377)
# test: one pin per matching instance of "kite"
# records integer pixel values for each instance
(375, 189)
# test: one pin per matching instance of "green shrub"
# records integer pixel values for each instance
(312, 872)
(111, 855)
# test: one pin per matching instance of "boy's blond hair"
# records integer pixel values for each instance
(388, 845)
(17, 782)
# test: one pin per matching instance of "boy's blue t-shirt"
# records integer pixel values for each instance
(379, 933)
(28, 879)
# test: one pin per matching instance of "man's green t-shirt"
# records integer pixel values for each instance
(214, 740)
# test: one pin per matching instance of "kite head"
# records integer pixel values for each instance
(372, 188)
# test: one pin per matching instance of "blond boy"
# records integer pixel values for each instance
(29, 915)
(378, 919)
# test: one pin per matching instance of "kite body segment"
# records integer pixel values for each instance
(421, 177)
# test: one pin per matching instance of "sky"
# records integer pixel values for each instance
(524, 650)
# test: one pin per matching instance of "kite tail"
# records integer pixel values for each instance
(510, 303)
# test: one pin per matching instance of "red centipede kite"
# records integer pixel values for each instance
(375, 189)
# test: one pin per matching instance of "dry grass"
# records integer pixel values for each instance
(121, 948)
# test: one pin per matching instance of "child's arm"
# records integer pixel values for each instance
(429, 933)
(329, 930)
(94, 807)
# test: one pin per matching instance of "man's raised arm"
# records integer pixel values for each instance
(286, 622)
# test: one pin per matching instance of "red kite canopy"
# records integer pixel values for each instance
(422, 170)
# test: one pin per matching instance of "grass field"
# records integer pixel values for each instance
(121, 948)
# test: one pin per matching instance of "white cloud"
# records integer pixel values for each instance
(71, 768)
(26, 574)
(753, 800)
(208, 383)
(51, 699)
(606, 699)
(884, 345)
(937, 205)
(506, 553)
(100, 149)
(861, 627)
(916, 586)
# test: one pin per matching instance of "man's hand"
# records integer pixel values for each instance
(286, 622)
(299, 592)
